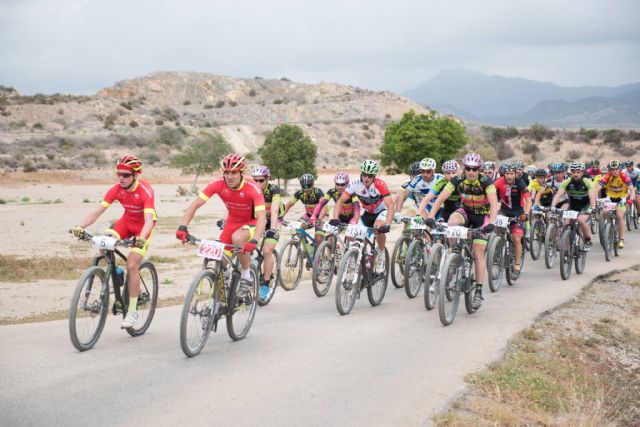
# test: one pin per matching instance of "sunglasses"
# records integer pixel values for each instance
(306, 187)
(468, 169)
(341, 185)
(124, 175)
(367, 175)
(260, 180)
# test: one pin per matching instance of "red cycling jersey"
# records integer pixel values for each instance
(512, 196)
(372, 197)
(242, 203)
(136, 201)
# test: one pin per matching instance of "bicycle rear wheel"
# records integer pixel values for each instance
(449, 289)
(199, 311)
(347, 286)
(566, 257)
(378, 286)
(242, 311)
(537, 238)
(580, 254)
(432, 276)
(89, 308)
(470, 292)
(398, 260)
(147, 299)
(550, 247)
(495, 262)
(323, 266)
(414, 268)
(274, 281)
(290, 265)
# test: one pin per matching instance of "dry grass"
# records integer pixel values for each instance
(15, 269)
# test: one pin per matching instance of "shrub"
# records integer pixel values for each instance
(250, 156)
(110, 120)
(252, 92)
(626, 150)
(219, 104)
(284, 79)
(61, 111)
(170, 136)
(530, 148)
(126, 105)
(133, 124)
(612, 136)
(182, 191)
(187, 102)
(233, 103)
(37, 125)
(574, 154)
(207, 106)
(277, 101)
(29, 166)
(632, 135)
(588, 134)
(159, 122)
(345, 143)
(503, 150)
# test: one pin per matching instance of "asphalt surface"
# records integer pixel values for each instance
(301, 364)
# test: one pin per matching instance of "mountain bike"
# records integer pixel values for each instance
(552, 236)
(358, 270)
(631, 217)
(458, 274)
(572, 246)
(501, 255)
(611, 233)
(90, 300)
(327, 258)
(417, 257)
(435, 264)
(537, 233)
(214, 294)
(300, 247)
(399, 254)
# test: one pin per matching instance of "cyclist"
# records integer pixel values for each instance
(350, 213)
(310, 197)
(479, 208)
(274, 209)
(540, 176)
(419, 186)
(414, 170)
(618, 186)
(246, 219)
(520, 173)
(594, 170)
(634, 175)
(515, 202)
(488, 169)
(582, 198)
(450, 169)
(376, 201)
(550, 187)
(137, 198)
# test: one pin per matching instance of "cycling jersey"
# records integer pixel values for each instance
(473, 194)
(136, 201)
(348, 207)
(419, 188)
(309, 200)
(578, 191)
(271, 194)
(594, 172)
(633, 175)
(453, 201)
(549, 189)
(512, 196)
(615, 186)
(242, 203)
(372, 197)
(525, 177)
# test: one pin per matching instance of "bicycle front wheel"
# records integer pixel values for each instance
(414, 268)
(565, 254)
(147, 299)
(323, 266)
(495, 262)
(242, 310)
(537, 238)
(290, 265)
(398, 261)
(608, 242)
(550, 247)
(198, 312)
(449, 289)
(580, 254)
(89, 308)
(347, 282)
(378, 286)
(432, 276)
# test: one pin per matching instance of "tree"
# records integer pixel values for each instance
(417, 136)
(288, 153)
(203, 155)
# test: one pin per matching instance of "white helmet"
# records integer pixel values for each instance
(428, 164)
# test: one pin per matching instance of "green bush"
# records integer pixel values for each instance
(220, 104)
(612, 136)
(37, 125)
(133, 124)
(187, 102)
(207, 106)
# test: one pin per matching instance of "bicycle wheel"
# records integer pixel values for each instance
(627, 218)
(616, 238)
(580, 254)
(566, 257)
(594, 224)
(398, 260)
(147, 299)
(635, 216)
(378, 286)
(609, 242)
(347, 286)
(495, 262)
(242, 311)
(432, 276)
(290, 265)
(511, 274)
(414, 268)
(89, 307)
(550, 247)
(449, 289)
(602, 224)
(274, 281)
(537, 238)
(470, 292)
(323, 266)
(198, 312)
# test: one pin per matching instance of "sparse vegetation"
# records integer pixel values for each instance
(15, 269)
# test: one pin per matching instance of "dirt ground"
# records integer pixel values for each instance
(41, 207)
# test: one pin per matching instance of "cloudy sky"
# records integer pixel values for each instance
(81, 46)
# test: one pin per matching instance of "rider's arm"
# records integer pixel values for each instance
(494, 206)
(388, 201)
(93, 216)
(275, 210)
(400, 198)
(422, 209)
(538, 195)
(592, 195)
(261, 223)
(149, 221)
(435, 207)
(356, 208)
(317, 212)
(337, 208)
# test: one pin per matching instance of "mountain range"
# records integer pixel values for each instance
(497, 100)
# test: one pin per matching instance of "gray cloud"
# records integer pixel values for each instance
(82, 46)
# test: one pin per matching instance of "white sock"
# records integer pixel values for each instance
(245, 274)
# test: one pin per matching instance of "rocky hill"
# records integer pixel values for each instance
(346, 123)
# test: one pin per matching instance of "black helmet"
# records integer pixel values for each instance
(307, 180)
(414, 169)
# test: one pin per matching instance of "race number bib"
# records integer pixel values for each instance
(104, 242)
(502, 221)
(357, 231)
(610, 206)
(211, 249)
(570, 214)
(457, 232)
(328, 228)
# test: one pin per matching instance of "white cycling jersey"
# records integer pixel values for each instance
(633, 175)
(419, 188)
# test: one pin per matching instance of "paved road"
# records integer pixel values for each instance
(302, 363)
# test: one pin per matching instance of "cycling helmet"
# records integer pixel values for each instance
(518, 164)
(595, 162)
(577, 166)
(531, 169)
(501, 169)
(414, 169)
(130, 163)
(450, 166)
(369, 167)
(614, 164)
(628, 163)
(540, 172)
(428, 164)
(261, 171)
(472, 160)
(489, 165)
(341, 178)
(307, 180)
(509, 167)
(233, 163)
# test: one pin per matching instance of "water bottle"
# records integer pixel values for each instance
(119, 279)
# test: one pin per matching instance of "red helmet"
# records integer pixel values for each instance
(233, 162)
(130, 163)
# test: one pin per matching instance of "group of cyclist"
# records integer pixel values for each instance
(471, 194)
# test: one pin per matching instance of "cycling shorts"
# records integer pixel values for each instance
(232, 227)
(123, 229)
(368, 219)
(472, 220)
